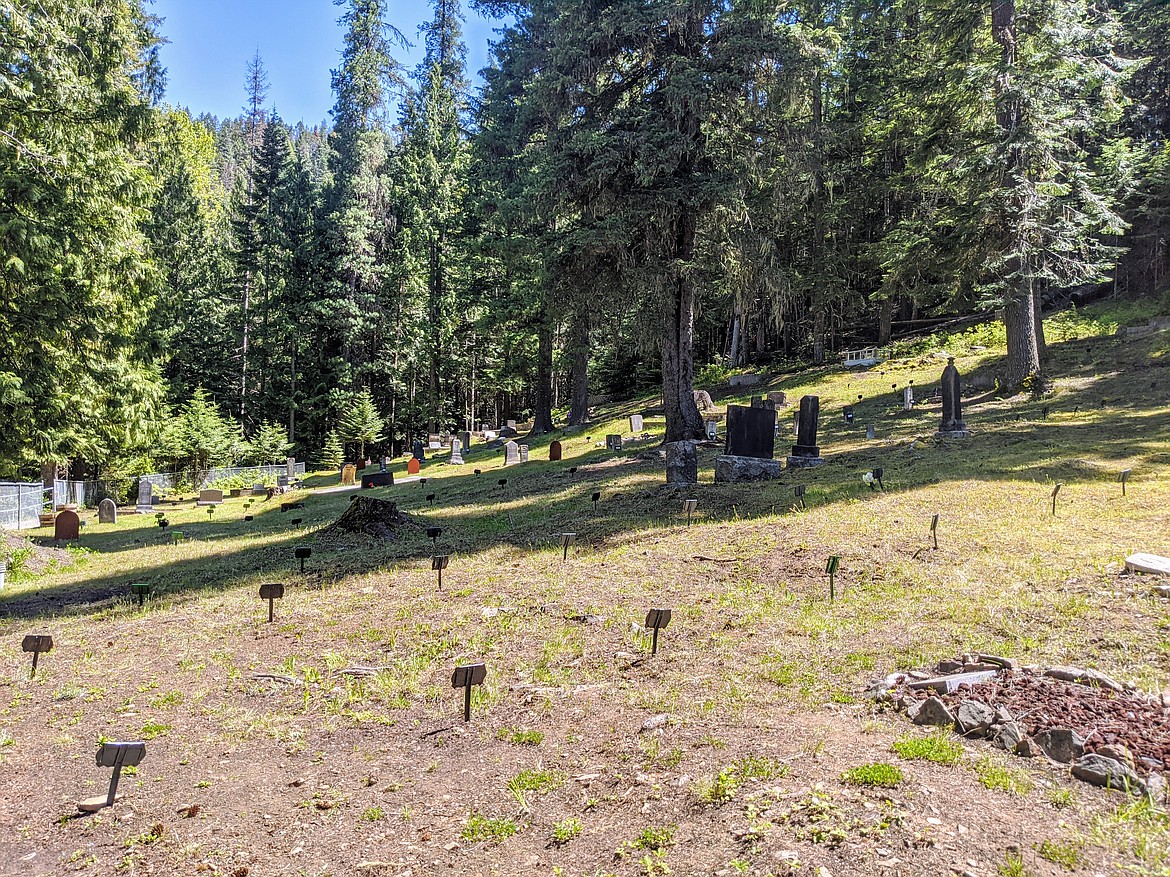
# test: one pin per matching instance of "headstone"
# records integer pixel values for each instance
(509, 432)
(419, 452)
(456, 458)
(712, 429)
(67, 525)
(636, 423)
(554, 451)
(384, 466)
(908, 399)
(524, 453)
(1148, 563)
(413, 466)
(805, 452)
(434, 445)
(489, 435)
(751, 432)
(283, 481)
(870, 432)
(511, 453)
(377, 479)
(952, 425)
(290, 468)
(778, 398)
(349, 474)
(260, 490)
(848, 412)
(613, 442)
(465, 440)
(145, 498)
(210, 497)
(748, 380)
(107, 511)
(757, 401)
(682, 463)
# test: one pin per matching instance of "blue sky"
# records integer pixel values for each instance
(299, 41)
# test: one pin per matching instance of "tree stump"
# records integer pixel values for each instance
(368, 516)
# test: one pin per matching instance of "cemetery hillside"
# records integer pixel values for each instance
(715, 438)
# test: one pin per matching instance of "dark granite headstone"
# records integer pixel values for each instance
(848, 411)
(751, 432)
(377, 479)
(419, 452)
(554, 450)
(952, 410)
(805, 452)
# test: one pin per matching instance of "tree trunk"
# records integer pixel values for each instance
(1041, 346)
(886, 320)
(1023, 356)
(733, 353)
(678, 365)
(579, 373)
(542, 421)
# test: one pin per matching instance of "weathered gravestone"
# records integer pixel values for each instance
(554, 451)
(283, 481)
(413, 466)
(511, 453)
(524, 453)
(290, 468)
(952, 425)
(465, 440)
(748, 380)
(613, 442)
(210, 497)
(848, 412)
(107, 511)
(456, 458)
(67, 525)
(908, 399)
(870, 432)
(805, 452)
(259, 490)
(145, 497)
(749, 446)
(682, 463)
(419, 452)
(511, 424)
(349, 474)
(636, 423)
(778, 398)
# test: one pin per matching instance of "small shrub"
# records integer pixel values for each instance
(373, 814)
(653, 839)
(1013, 866)
(879, 775)
(938, 747)
(721, 788)
(567, 829)
(480, 829)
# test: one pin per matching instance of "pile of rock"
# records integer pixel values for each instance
(1108, 733)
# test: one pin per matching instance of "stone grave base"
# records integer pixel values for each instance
(93, 805)
(206, 502)
(804, 462)
(731, 468)
(953, 433)
(144, 510)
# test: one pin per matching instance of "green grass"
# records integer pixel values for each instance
(993, 773)
(536, 780)
(1012, 866)
(520, 737)
(721, 787)
(654, 839)
(879, 775)
(1067, 855)
(938, 747)
(481, 829)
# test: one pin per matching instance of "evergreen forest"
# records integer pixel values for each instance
(634, 195)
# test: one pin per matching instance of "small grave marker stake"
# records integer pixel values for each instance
(140, 590)
(503, 482)
(831, 569)
(656, 620)
(464, 677)
(433, 533)
(596, 498)
(210, 511)
(271, 593)
(1055, 491)
(690, 505)
(572, 470)
(296, 522)
(878, 473)
(798, 492)
(934, 530)
(302, 554)
(567, 539)
(1123, 479)
(36, 644)
(431, 498)
(117, 756)
(438, 564)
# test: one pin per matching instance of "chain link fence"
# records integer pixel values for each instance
(21, 504)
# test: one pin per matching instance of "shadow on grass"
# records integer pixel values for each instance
(542, 498)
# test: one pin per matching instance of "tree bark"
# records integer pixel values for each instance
(886, 321)
(678, 364)
(579, 373)
(1023, 355)
(542, 421)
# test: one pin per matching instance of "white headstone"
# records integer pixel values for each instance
(511, 453)
(524, 453)
(635, 423)
(908, 399)
(290, 468)
(456, 457)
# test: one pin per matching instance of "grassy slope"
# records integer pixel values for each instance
(757, 664)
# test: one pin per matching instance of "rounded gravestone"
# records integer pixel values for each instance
(107, 511)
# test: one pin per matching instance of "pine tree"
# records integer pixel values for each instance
(333, 452)
(361, 422)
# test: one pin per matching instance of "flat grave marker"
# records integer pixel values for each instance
(656, 620)
(1123, 478)
(689, 506)
(139, 590)
(36, 643)
(272, 592)
(934, 530)
(567, 539)
(433, 533)
(831, 566)
(465, 677)
(1055, 491)
(117, 756)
